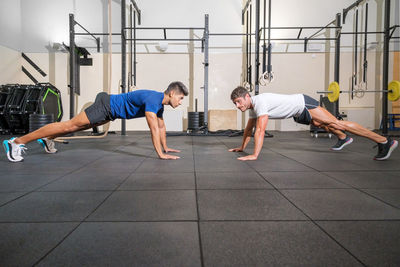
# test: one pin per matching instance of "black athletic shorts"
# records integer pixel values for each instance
(100, 110)
(305, 116)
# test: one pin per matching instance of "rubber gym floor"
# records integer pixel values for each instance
(111, 202)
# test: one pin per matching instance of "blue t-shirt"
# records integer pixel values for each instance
(135, 104)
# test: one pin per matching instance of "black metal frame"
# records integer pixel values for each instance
(204, 41)
(385, 74)
(388, 32)
(246, 16)
(74, 64)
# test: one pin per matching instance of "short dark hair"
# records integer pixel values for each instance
(177, 86)
(239, 91)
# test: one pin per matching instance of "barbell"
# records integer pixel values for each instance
(334, 91)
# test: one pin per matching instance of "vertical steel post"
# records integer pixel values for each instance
(206, 37)
(130, 82)
(365, 64)
(123, 58)
(247, 46)
(264, 59)
(269, 67)
(385, 78)
(355, 54)
(257, 48)
(134, 48)
(250, 38)
(337, 58)
(72, 57)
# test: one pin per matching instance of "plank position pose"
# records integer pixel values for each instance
(303, 109)
(136, 104)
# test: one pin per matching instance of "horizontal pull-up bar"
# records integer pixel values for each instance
(97, 33)
(232, 34)
(162, 39)
(164, 28)
(362, 32)
(323, 28)
(300, 27)
(299, 39)
(89, 33)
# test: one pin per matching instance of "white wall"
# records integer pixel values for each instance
(43, 22)
(294, 73)
(10, 24)
(10, 66)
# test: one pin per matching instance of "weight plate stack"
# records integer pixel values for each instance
(37, 121)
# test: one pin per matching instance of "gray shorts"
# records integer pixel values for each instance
(100, 110)
(305, 116)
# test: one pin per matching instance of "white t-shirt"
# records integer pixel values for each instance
(277, 106)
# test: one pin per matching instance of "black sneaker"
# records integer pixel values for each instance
(384, 150)
(341, 143)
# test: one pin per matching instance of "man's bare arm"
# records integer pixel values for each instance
(151, 119)
(163, 136)
(246, 135)
(261, 125)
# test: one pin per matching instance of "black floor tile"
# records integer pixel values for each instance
(23, 244)
(275, 162)
(270, 244)
(25, 182)
(159, 181)
(293, 180)
(246, 205)
(391, 196)
(6, 197)
(375, 243)
(329, 160)
(147, 206)
(369, 179)
(120, 163)
(51, 206)
(155, 165)
(231, 180)
(129, 244)
(218, 163)
(151, 220)
(88, 180)
(341, 204)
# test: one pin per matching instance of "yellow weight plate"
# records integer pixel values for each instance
(334, 91)
(394, 90)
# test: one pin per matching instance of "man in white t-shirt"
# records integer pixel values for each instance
(303, 109)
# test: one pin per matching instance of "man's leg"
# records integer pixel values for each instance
(77, 123)
(325, 118)
(90, 126)
(343, 139)
(385, 145)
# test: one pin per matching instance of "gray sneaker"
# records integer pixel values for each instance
(385, 150)
(341, 143)
(48, 145)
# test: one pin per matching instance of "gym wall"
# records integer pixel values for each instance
(10, 66)
(295, 72)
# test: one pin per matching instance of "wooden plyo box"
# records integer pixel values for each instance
(222, 119)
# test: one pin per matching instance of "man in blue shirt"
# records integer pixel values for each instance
(136, 104)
